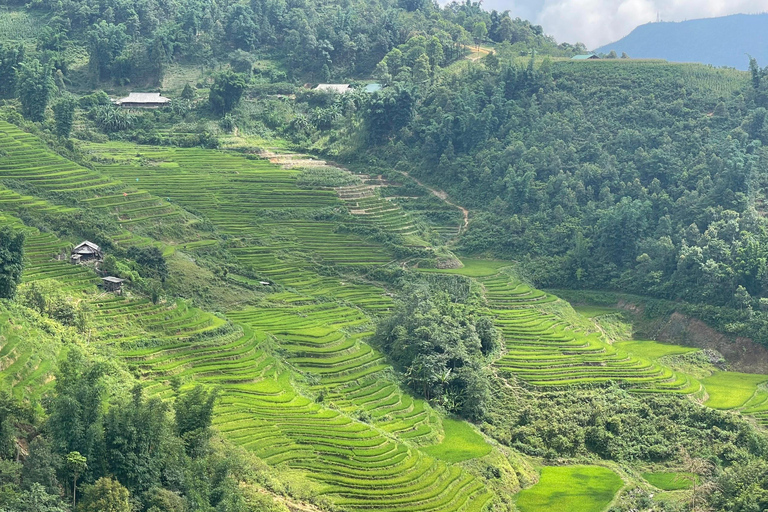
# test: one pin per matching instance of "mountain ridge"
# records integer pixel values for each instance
(738, 35)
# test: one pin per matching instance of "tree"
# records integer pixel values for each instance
(64, 116)
(76, 464)
(612, 55)
(76, 410)
(11, 413)
(421, 69)
(106, 495)
(479, 32)
(35, 86)
(624, 55)
(10, 59)
(37, 499)
(194, 416)
(137, 434)
(40, 466)
(152, 259)
(226, 91)
(11, 260)
(188, 93)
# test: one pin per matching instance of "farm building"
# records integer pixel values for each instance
(590, 56)
(371, 88)
(143, 100)
(112, 284)
(337, 88)
(86, 251)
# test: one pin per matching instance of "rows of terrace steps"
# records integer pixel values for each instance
(22, 372)
(28, 159)
(347, 368)
(266, 416)
(228, 374)
(353, 462)
(757, 406)
(242, 189)
(132, 207)
(543, 351)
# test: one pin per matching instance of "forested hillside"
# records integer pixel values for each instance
(329, 299)
(639, 176)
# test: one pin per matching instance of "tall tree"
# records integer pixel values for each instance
(35, 86)
(64, 115)
(106, 495)
(11, 260)
(194, 416)
(11, 58)
(226, 91)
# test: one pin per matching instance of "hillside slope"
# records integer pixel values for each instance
(724, 41)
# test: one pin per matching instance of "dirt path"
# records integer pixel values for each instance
(443, 197)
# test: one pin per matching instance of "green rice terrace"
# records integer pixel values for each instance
(302, 388)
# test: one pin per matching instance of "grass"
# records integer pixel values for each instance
(461, 443)
(653, 349)
(571, 489)
(669, 480)
(731, 390)
(594, 311)
(473, 268)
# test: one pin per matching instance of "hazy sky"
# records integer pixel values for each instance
(598, 22)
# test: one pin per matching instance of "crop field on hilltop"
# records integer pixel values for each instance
(543, 351)
(571, 489)
(348, 426)
(731, 390)
(279, 230)
(670, 481)
(653, 349)
(56, 183)
(460, 443)
(473, 268)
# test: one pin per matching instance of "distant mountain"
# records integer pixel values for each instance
(724, 41)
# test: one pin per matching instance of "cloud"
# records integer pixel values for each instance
(599, 22)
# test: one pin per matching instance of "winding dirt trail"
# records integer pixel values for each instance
(443, 197)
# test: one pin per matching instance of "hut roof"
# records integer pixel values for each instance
(111, 279)
(144, 97)
(339, 88)
(589, 56)
(372, 88)
(86, 248)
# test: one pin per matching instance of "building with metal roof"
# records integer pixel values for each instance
(337, 88)
(143, 100)
(590, 56)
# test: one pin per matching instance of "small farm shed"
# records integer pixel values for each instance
(112, 284)
(590, 56)
(86, 251)
(143, 100)
(337, 88)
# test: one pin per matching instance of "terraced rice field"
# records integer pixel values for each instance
(26, 161)
(370, 209)
(361, 465)
(544, 351)
(278, 229)
(732, 390)
(346, 424)
(571, 489)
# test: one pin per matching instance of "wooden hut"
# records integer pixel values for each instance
(112, 284)
(86, 251)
